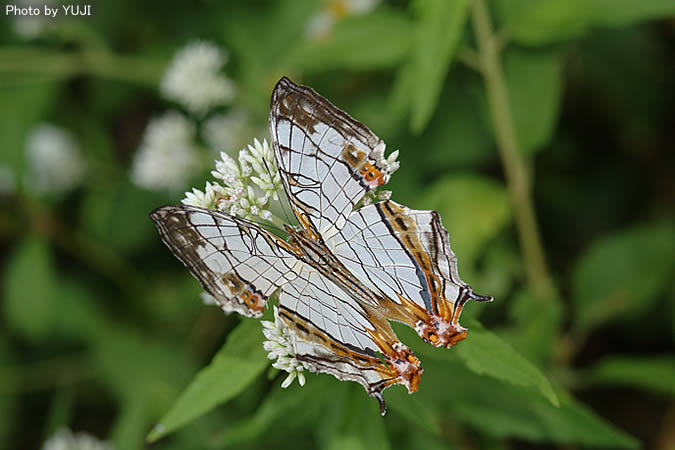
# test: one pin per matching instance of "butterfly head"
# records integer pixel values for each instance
(373, 176)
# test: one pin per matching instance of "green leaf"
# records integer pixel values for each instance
(30, 290)
(60, 410)
(457, 135)
(620, 13)
(653, 373)
(622, 274)
(536, 326)
(415, 410)
(534, 83)
(474, 209)
(80, 317)
(26, 101)
(485, 353)
(503, 410)
(131, 424)
(373, 41)
(130, 362)
(358, 424)
(438, 28)
(418, 439)
(235, 366)
(533, 22)
(283, 412)
(118, 214)
(500, 268)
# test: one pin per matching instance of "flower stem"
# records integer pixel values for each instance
(514, 164)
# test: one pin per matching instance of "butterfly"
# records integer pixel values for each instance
(344, 272)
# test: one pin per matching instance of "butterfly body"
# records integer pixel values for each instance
(344, 272)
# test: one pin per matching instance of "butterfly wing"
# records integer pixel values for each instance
(236, 262)
(328, 160)
(406, 254)
(334, 334)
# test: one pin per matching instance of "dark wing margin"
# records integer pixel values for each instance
(235, 261)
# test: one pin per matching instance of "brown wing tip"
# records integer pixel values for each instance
(160, 214)
(283, 85)
(284, 82)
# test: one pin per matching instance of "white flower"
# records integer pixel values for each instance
(279, 346)
(167, 158)
(207, 298)
(54, 161)
(226, 132)
(64, 439)
(207, 199)
(383, 195)
(30, 26)
(250, 183)
(265, 173)
(354, 7)
(193, 78)
(322, 23)
(390, 164)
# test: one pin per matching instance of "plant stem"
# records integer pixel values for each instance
(514, 164)
(95, 62)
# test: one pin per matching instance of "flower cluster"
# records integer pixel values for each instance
(64, 439)
(248, 188)
(322, 23)
(280, 347)
(390, 163)
(167, 157)
(193, 78)
(54, 161)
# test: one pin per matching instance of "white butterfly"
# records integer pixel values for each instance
(343, 273)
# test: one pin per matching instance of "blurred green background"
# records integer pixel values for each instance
(503, 111)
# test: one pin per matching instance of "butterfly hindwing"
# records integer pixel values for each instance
(335, 334)
(236, 262)
(406, 255)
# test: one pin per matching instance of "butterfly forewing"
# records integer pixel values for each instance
(328, 160)
(236, 262)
